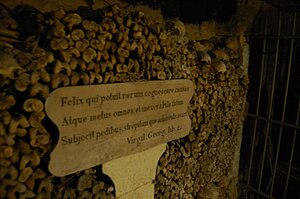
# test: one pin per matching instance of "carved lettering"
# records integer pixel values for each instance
(98, 123)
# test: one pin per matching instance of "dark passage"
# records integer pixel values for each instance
(270, 157)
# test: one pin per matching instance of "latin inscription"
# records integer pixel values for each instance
(99, 123)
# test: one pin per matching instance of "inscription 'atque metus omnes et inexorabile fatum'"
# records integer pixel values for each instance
(98, 123)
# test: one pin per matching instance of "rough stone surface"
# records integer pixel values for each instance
(133, 175)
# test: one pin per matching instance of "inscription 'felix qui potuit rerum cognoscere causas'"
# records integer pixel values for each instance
(98, 123)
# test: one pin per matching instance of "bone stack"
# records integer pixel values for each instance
(200, 165)
(121, 46)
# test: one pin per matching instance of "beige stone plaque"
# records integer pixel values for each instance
(98, 123)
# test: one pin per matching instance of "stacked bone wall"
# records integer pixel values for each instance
(121, 45)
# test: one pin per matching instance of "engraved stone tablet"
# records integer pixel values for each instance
(98, 123)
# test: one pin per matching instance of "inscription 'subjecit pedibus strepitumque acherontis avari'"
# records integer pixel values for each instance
(99, 123)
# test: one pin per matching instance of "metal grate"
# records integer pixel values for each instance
(270, 156)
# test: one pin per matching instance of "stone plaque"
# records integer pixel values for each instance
(98, 123)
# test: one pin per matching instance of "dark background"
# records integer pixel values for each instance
(193, 11)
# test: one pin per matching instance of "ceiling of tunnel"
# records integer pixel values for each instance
(290, 5)
(193, 11)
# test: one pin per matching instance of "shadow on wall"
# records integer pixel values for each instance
(194, 11)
